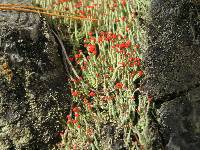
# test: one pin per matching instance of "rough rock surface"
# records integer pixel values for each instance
(172, 75)
(32, 99)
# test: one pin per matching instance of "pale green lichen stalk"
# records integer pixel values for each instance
(106, 50)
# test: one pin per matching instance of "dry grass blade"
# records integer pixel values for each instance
(44, 11)
(24, 6)
(35, 8)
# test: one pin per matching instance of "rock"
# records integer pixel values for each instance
(180, 121)
(31, 83)
(172, 58)
(172, 75)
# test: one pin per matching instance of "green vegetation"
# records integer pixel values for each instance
(104, 42)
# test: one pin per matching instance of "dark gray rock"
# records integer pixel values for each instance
(32, 99)
(180, 121)
(172, 75)
(172, 58)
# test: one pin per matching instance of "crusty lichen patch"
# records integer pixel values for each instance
(31, 89)
(15, 133)
(5, 70)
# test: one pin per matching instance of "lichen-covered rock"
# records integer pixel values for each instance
(172, 75)
(31, 83)
(172, 59)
